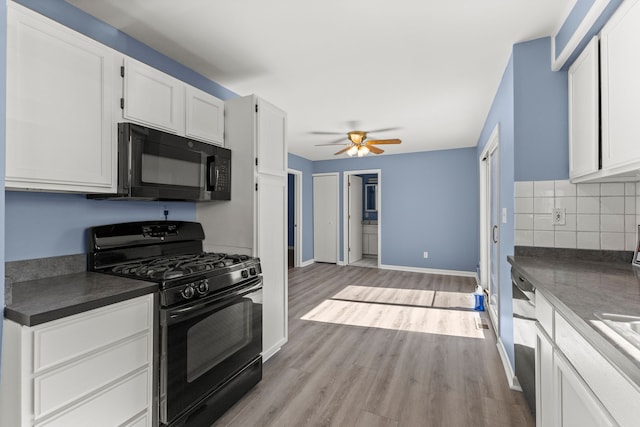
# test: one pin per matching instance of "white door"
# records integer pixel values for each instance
(489, 225)
(325, 218)
(494, 233)
(355, 219)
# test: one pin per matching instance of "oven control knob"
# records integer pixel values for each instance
(188, 292)
(244, 274)
(252, 271)
(203, 287)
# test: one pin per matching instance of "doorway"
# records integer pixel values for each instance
(490, 225)
(361, 218)
(294, 218)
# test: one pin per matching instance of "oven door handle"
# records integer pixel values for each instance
(179, 314)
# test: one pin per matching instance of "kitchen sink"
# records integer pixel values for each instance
(626, 326)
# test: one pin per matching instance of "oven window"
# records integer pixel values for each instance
(158, 169)
(217, 337)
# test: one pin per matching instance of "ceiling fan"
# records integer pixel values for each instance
(358, 143)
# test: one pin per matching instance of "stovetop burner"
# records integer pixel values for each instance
(176, 266)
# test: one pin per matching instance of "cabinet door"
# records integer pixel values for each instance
(59, 133)
(272, 246)
(545, 389)
(373, 243)
(577, 406)
(205, 116)
(584, 112)
(620, 43)
(153, 98)
(271, 139)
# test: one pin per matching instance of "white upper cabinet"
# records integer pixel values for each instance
(271, 144)
(153, 98)
(584, 112)
(620, 62)
(205, 116)
(60, 87)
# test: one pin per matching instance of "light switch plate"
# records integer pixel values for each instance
(504, 215)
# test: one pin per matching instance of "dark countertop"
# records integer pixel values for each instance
(42, 300)
(579, 288)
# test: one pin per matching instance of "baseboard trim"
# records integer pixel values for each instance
(428, 270)
(307, 262)
(508, 370)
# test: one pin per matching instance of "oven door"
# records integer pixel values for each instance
(166, 166)
(205, 343)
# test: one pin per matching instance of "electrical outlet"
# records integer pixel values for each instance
(558, 216)
(426, 255)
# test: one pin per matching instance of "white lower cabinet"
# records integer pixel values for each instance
(93, 368)
(575, 385)
(577, 406)
(545, 387)
(370, 239)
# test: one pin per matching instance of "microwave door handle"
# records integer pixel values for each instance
(212, 173)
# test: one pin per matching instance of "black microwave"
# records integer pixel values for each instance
(156, 165)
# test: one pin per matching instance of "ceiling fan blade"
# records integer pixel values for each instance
(383, 130)
(337, 141)
(342, 151)
(384, 141)
(327, 133)
(375, 150)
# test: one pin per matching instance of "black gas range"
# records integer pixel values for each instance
(169, 253)
(210, 313)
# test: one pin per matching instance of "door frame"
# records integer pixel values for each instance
(337, 175)
(493, 144)
(297, 216)
(345, 210)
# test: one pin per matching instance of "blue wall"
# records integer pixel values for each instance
(62, 219)
(540, 114)
(306, 167)
(43, 224)
(428, 202)
(502, 114)
(573, 21)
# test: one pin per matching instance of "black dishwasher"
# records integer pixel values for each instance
(524, 336)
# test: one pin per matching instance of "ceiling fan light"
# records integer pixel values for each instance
(353, 150)
(363, 151)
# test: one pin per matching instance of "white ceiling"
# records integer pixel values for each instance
(430, 68)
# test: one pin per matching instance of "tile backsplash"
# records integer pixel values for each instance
(597, 216)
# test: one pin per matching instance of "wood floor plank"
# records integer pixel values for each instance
(370, 347)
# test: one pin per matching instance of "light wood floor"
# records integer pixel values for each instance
(371, 347)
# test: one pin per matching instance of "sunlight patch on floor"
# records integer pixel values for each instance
(410, 310)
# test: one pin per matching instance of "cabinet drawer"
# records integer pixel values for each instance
(62, 386)
(617, 394)
(74, 336)
(544, 313)
(110, 408)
